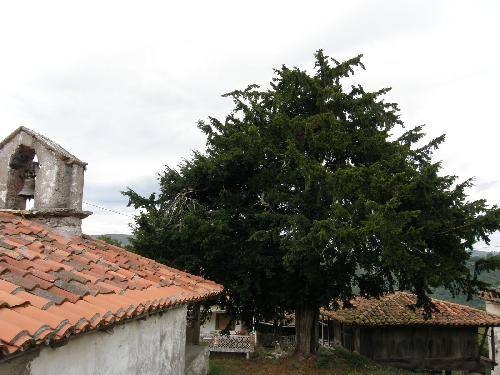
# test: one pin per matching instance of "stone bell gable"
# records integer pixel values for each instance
(34, 167)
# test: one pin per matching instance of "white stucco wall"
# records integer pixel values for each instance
(143, 347)
(494, 308)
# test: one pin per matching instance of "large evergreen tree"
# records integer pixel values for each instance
(305, 194)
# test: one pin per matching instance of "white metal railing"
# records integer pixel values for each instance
(232, 343)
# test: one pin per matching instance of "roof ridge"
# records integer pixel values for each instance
(47, 143)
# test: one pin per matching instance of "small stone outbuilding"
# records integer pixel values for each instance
(71, 304)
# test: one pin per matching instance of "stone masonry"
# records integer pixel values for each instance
(58, 184)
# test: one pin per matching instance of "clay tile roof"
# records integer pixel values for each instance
(492, 295)
(52, 288)
(398, 309)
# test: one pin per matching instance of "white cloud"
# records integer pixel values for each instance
(121, 84)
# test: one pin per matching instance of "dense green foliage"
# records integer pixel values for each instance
(309, 190)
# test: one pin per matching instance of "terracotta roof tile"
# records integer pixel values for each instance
(8, 252)
(19, 280)
(9, 300)
(34, 300)
(43, 266)
(56, 298)
(36, 246)
(64, 294)
(9, 332)
(38, 281)
(53, 287)
(492, 295)
(52, 265)
(27, 253)
(32, 326)
(16, 241)
(42, 275)
(9, 287)
(71, 276)
(398, 309)
(55, 321)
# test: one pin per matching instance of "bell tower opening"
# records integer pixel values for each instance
(28, 190)
(23, 168)
(40, 180)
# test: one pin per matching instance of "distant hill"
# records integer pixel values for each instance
(493, 278)
(481, 253)
(123, 238)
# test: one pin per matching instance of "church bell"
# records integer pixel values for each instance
(28, 190)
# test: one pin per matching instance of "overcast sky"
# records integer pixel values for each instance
(122, 84)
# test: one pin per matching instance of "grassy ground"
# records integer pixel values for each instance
(336, 361)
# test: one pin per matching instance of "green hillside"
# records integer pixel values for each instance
(492, 278)
(124, 239)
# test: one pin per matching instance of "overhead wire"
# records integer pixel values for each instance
(132, 217)
(107, 209)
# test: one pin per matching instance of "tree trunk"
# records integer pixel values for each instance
(306, 330)
(193, 325)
